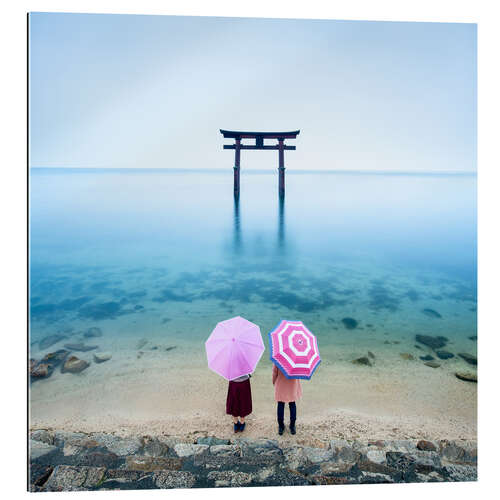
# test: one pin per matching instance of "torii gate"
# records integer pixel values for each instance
(259, 144)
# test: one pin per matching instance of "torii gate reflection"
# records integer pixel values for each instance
(281, 240)
(259, 144)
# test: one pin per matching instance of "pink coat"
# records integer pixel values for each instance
(286, 390)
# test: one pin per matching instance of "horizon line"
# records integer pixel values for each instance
(268, 171)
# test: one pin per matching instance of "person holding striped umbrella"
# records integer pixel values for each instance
(295, 354)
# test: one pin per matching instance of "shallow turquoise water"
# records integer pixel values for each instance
(171, 252)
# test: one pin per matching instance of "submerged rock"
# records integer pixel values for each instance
(80, 347)
(50, 340)
(431, 313)
(350, 323)
(93, 332)
(427, 357)
(55, 358)
(364, 360)
(444, 355)
(169, 348)
(432, 342)
(407, 356)
(432, 364)
(467, 376)
(101, 357)
(371, 355)
(473, 337)
(74, 365)
(41, 370)
(469, 358)
(141, 343)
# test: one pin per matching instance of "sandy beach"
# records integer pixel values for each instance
(172, 392)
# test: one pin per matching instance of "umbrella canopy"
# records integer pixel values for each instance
(234, 348)
(294, 349)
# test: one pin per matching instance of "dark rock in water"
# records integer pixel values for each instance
(80, 347)
(55, 358)
(138, 307)
(362, 361)
(467, 376)
(93, 332)
(407, 356)
(432, 342)
(165, 320)
(50, 340)
(431, 313)
(473, 337)
(432, 364)
(469, 358)
(426, 445)
(444, 354)
(141, 343)
(369, 325)
(169, 348)
(350, 323)
(74, 365)
(371, 355)
(427, 357)
(417, 346)
(386, 342)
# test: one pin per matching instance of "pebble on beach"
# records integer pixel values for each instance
(74, 365)
(432, 364)
(467, 376)
(407, 356)
(101, 357)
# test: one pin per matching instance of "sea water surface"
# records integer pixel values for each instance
(166, 254)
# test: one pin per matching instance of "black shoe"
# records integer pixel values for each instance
(242, 426)
(292, 429)
(236, 427)
(281, 430)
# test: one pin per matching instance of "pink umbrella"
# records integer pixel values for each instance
(294, 349)
(234, 348)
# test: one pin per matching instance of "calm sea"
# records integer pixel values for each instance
(170, 252)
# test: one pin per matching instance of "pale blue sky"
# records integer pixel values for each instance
(153, 91)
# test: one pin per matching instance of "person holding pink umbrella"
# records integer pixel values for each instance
(239, 401)
(233, 350)
(295, 354)
(286, 391)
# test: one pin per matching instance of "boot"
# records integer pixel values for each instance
(281, 428)
(292, 427)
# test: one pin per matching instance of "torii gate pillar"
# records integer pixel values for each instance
(281, 167)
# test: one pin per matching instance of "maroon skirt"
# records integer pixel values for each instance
(239, 399)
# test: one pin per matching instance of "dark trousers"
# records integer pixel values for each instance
(281, 412)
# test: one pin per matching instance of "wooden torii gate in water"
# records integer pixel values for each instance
(259, 144)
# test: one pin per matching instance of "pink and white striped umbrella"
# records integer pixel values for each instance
(294, 349)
